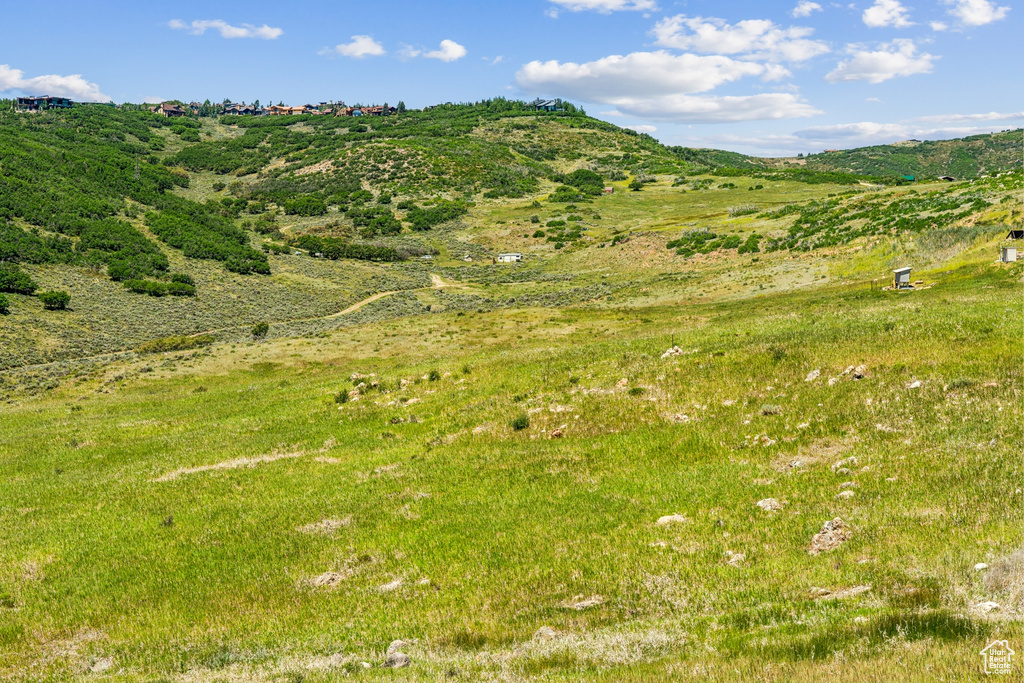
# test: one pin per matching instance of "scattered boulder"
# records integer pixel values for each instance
(671, 519)
(832, 535)
(397, 660)
(986, 607)
(847, 485)
(557, 432)
(832, 381)
(735, 559)
(980, 567)
(916, 384)
(851, 461)
(769, 504)
(860, 372)
(840, 594)
(545, 633)
(845, 495)
(622, 383)
(812, 375)
(586, 603)
(396, 646)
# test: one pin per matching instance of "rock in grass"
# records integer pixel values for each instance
(980, 566)
(545, 633)
(769, 504)
(587, 603)
(832, 535)
(396, 646)
(986, 607)
(397, 660)
(845, 495)
(671, 519)
(812, 375)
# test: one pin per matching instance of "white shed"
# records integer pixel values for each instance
(901, 278)
(1008, 254)
(510, 257)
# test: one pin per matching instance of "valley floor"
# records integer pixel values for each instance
(804, 488)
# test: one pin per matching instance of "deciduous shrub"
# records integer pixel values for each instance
(5, 305)
(520, 422)
(13, 279)
(260, 330)
(54, 300)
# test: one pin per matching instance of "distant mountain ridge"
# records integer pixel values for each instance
(969, 157)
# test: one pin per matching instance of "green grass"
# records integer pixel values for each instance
(131, 527)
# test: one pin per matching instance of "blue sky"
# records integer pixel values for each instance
(757, 77)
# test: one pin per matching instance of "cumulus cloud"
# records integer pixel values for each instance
(755, 38)
(201, 26)
(603, 6)
(643, 129)
(873, 133)
(662, 86)
(360, 47)
(898, 58)
(965, 118)
(887, 13)
(73, 86)
(805, 8)
(448, 52)
(976, 12)
(938, 25)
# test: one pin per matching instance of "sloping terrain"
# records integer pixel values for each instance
(156, 235)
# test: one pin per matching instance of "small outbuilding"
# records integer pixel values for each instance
(1008, 254)
(901, 278)
(1015, 235)
(947, 178)
(509, 257)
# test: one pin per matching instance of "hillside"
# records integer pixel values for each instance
(167, 227)
(298, 424)
(970, 157)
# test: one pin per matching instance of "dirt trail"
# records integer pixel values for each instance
(359, 304)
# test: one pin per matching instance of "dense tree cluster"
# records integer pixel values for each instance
(334, 248)
(70, 175)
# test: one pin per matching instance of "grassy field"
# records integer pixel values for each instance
(284, 510)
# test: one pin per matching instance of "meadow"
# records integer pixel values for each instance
(283, 510)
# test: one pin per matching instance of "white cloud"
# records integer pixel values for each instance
(963, 118)
(448, 52)
(602, 6)
(976, 12)
(863, 133)
(73, 86)
(643, 129)
(805, 8)
(756, 38)
(938, 25)
(898, 58)
(361, 46)
(662, 86)
(199, 27)
(886, 13)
